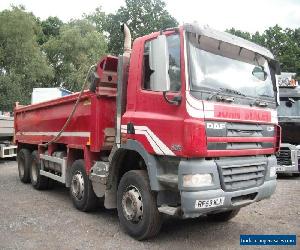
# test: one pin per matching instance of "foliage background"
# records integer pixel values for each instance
(51, 53)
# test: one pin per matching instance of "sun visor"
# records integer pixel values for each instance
(229, 45)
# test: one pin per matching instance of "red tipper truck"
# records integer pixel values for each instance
(183, 123)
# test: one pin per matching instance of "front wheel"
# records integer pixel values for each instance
(224, 216)
(136, 203)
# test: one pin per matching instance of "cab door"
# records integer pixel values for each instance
(158, 124)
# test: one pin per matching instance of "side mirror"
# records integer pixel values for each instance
(159, 63)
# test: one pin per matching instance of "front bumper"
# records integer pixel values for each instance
(232, 200)
(284, 169)
(292, 158)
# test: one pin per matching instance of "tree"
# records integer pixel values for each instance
(50, 28)
(98, 19)
(258, 39)
(284, 46)
(283, 43)
(78, 46)
(142, 17)
(239, 33)
(22, 63)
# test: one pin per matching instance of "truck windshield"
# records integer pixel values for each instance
(211, 71)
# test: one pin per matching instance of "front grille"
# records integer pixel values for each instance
(284, 157)
(242, 173)
(235, 130)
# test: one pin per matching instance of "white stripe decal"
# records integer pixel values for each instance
(193, 106)
(71, 134)
(150, 140)
(158, 146)
(209, 110)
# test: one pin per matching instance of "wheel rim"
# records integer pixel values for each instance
(132, 204)
(21, 168)
(77, 185)
(34, 172)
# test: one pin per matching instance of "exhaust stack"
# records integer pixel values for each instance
(127, 40)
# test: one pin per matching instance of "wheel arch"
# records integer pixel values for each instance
(30, 147)
(130, 156)
(73, 154)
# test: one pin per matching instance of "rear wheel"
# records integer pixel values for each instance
(136, 203)
(38, 181)
(24, 163)
(224, 216)
(81, 189)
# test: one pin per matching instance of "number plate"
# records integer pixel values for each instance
(280, 168)
(210, 203)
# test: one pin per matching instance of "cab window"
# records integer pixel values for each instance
(174, 64)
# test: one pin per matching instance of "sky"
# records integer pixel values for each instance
(247, 15)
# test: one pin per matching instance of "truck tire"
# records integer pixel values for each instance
(224, 216)
(136, 204)
(81, 190)
(24, 162)
(38, 181)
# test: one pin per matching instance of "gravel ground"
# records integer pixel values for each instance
(31, 219)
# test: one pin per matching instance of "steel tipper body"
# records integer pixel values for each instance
(190, 129)
(289, 120)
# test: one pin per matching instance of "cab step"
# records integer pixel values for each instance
(169, 210)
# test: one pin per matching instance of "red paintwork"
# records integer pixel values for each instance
(50, 117)
(95, 112)
(241, 114)
(93, 115)
(171, 124)
(278, 138)
(223, 153)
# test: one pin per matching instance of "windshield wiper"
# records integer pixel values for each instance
(260, 103)
(221, 98)
(264, 95)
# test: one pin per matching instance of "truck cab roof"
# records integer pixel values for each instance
(227, 38)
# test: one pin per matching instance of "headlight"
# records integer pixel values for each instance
(272, 171)
(197, 180)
